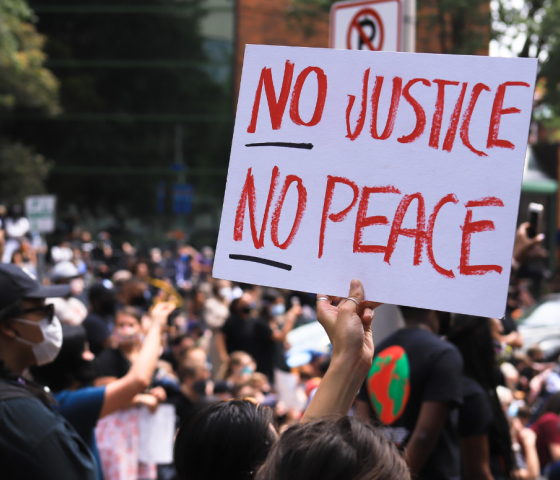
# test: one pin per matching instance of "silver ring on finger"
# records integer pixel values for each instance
(325, 298)
(354, 300)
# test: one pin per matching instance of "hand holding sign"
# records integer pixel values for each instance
(348, 326)
(403, 170)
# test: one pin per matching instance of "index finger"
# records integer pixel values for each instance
(356, 294)
(324, 304)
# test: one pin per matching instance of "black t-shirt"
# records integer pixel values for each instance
(239, 333)
(410, 367)
(112, 363)
(253, 336)
(475, 415)
(97, 330)
(509, 324)
(37, 442)
(264, 348)
(477, 418)
(185, 407)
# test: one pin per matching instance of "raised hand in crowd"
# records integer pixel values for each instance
(525, 247)
(127, 389)
(527, 439)
(348, 326)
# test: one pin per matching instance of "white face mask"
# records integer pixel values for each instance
(227, 293)
(47, 350)
(278, 309)
(77, 286)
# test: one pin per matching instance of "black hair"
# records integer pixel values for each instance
(234, 305)
(473, 337)
(552, 405)
(413, 314)
(228, 439)
(131, 312)
(332, 448)
(69, 366)
(176, 341)
(10, 311)
(102, 300)
(98, 292)
(265, 313)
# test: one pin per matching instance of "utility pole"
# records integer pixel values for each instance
(409, 26)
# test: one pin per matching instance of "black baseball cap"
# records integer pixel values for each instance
(17, 283)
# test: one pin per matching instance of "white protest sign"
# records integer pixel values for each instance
(40, 211)
(403, 170)
(156, 434)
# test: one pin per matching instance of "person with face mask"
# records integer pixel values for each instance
(128, 337)
(71, 374)
(35, 441)
(117, 434)
(237, 333)
(276, 323)
(260, 337)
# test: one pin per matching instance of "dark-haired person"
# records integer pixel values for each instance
(236, 335)
(117, 434)
(225, 440)
(277, 322)
(70, 375)
(114, 363)
(240, 433)
(334, 448)
(548, 434)
(414, 388)
(99, 322)
(35, 441)
(193, 377)
(486, 444)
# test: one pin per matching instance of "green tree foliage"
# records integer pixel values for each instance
(24, 84)
(22, 172)
(463, 26)
(131, 71)
(23, 79)
(538, 23)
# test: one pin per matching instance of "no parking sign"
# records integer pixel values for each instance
(373, 25)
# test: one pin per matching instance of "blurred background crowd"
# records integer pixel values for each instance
(123, 111)
(226, 340)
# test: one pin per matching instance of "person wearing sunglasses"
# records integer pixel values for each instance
(35, 441)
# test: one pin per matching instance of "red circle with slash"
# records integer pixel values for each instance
(355, 24)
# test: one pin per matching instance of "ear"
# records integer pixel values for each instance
(7, 330)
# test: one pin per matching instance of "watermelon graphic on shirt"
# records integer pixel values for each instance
(388, 383)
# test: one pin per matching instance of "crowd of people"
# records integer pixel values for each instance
(111, 334)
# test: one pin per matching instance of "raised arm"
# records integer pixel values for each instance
(120, 393)
(279, 335)
(349, 329)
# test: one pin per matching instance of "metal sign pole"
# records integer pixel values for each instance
(41, 258)
(409, 26)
